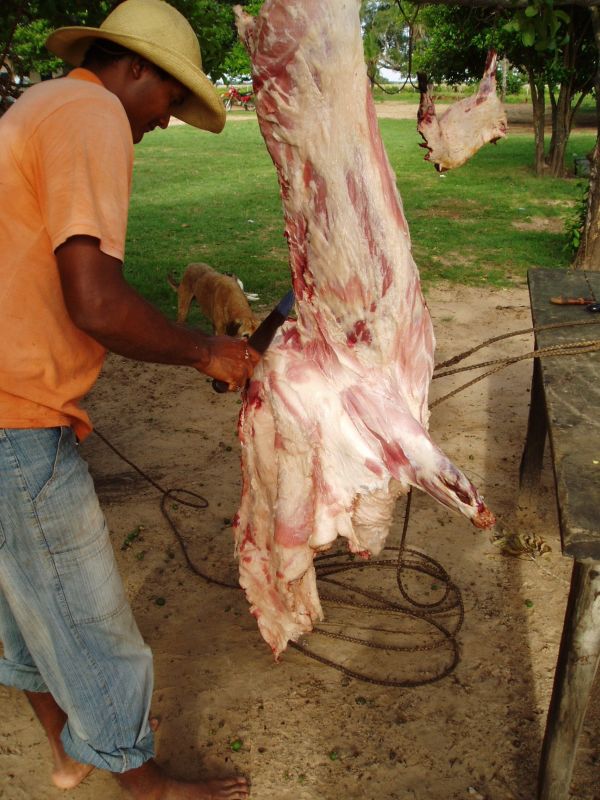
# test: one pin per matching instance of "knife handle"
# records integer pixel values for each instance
(263, 335)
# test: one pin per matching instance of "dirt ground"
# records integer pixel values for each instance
(299, 729)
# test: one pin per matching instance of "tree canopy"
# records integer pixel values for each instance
(25, 24)
(387, 35)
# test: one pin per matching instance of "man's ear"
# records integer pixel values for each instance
(137, 66)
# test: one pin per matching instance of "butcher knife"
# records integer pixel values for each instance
(263, 335)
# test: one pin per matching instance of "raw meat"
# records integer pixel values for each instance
(334, 422)
(466, 126)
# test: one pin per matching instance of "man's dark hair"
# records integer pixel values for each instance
(103, 52)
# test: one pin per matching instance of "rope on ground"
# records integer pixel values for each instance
(408, 560)
(450, 604)
(176, 496)
(327, 565)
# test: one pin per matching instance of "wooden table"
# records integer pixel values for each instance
(565, 407)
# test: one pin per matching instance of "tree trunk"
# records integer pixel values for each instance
(564, 106)
(505, 65)
(562, 121)
(588, 254)
(538, 103)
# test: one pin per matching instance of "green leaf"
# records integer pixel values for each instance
(531, 11)
(511, 27)
(528, 38)
(131, 537)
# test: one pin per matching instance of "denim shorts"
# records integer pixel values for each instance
(65, 623)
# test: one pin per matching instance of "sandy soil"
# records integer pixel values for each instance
(300, 729)
(307, 730)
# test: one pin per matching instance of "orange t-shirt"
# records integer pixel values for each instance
(66, 158)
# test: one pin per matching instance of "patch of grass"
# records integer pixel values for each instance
(200, 197)
(462, 222)
(407, 93)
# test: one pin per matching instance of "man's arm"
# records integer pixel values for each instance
(102, 304)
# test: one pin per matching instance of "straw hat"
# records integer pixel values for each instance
(159, 33)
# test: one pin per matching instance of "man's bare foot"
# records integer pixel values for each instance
(68, 773)
(149, 782)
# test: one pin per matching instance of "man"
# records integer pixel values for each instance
(69, 637)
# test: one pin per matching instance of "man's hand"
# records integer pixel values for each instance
(102, 304)
(232, 361)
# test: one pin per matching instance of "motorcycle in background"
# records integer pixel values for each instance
(233, 97)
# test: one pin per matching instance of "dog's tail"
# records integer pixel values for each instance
(172, 281)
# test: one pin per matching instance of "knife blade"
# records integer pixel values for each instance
(263, 335)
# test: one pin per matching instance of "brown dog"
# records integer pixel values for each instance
(219, 296)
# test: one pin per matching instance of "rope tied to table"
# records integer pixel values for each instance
(578, 347)
(444, 614)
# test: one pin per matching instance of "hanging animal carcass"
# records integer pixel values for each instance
(459, 132)
(334, 421)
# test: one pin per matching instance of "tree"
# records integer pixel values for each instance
(569, 54)
(213, 21)
(561, 57)
(588, 254)
(28, 51)
(390, 30)
(454, 50)
(570, 79)
(24, 25)
(236, 62)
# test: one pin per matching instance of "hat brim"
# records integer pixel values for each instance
(203, 108)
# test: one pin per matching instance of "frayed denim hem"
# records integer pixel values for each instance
(28, 679)
(122, 759)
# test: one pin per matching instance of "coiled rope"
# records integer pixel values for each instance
(444, 614)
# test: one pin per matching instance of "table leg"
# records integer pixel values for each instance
(577, 663)
(533, 452)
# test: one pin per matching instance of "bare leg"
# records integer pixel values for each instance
(149, 782)
(67, 772)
